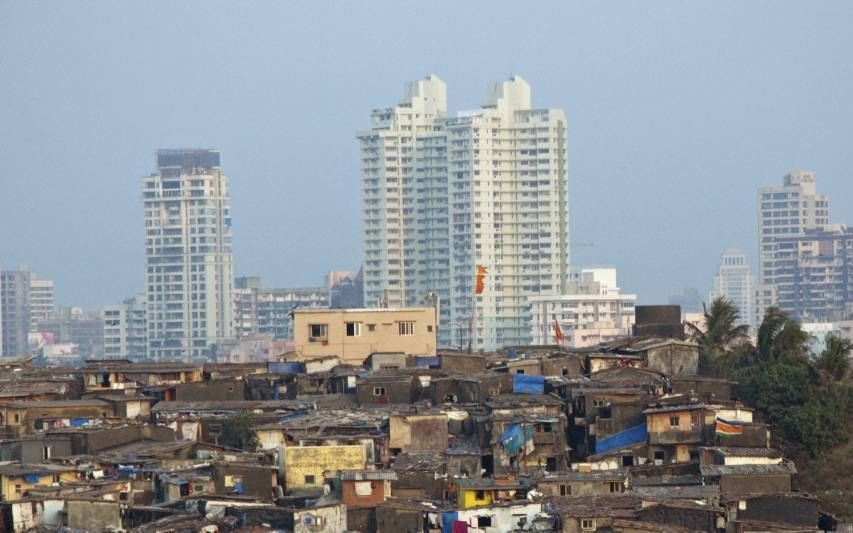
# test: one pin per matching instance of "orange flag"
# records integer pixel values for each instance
(558, 333)
(481, 279)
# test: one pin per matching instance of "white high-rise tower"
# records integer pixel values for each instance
(188, 259)
(784, 212)
(442, 195)
(734, 282)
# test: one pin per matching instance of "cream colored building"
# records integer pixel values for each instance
(442, 194)
(188, 261)
(354, 334)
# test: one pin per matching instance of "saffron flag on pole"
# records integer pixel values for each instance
(725, 428)
(481, 279)
(558, 333)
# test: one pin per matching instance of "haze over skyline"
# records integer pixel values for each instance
(677, 114)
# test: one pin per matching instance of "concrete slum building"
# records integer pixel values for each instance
(622, 437)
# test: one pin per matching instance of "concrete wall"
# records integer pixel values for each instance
(379, 490)
(225, 390)
(302, 461)
(379, 332)
(333, 517)
(418, 432)
(779, 508)
(674, 359)
(92, 515)
(755, 484)
(463, 364)
(256, 481)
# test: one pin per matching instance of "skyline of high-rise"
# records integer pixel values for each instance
(734, 282)
(442, 195)
(188, 257)
(783, 212)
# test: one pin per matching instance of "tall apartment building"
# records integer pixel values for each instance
(125, 329)
(41, 300)
(24, 300)
(734, 282)
(783, 212)
(593, 311)
(259, 310)
(814, 274)
(188, 258)
(15, 306)
(442, 195)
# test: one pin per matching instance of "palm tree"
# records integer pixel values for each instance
(722, 333)
(834, 362)
(780, 336)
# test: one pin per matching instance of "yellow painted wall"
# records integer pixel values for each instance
(8, 485)
(659, 422)
(300, 461)
(385, 336)
(467, 498)
(270, 439)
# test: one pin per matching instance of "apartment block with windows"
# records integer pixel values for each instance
(354, 334)
(188, 257)
(267, 311)
(814, 274)
(125, 330)
(487, 187)
(593, 311)
(734, 282)
(784, 212)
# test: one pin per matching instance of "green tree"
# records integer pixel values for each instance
(721, 336)
(834, 361)
(780, 336)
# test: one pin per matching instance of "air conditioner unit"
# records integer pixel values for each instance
(312, 339)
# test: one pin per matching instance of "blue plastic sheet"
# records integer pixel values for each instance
(623, 439)
(524, 384)
(276, 367)
(515, 437)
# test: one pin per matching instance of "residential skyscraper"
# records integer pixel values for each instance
(24, 300)
(734, 282)
(41, 300)
(188, 258)
(443, 195)
(15, 309)
(125, 329)
(784, 212)
(814, 274)
(265, 311)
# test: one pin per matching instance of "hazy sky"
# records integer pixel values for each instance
(677, 112)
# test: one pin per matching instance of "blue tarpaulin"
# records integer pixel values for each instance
(77, 422)
(427, 362)
(277, 367)
(623, 439)
(447, 520)
(515, 437)
(524, 384)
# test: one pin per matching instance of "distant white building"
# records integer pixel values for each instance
(593, 312)
(125, 333)
(41, 300)
(189, 273)
(734, 282)
(442, 195)
(818, 332)
(784, 211)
